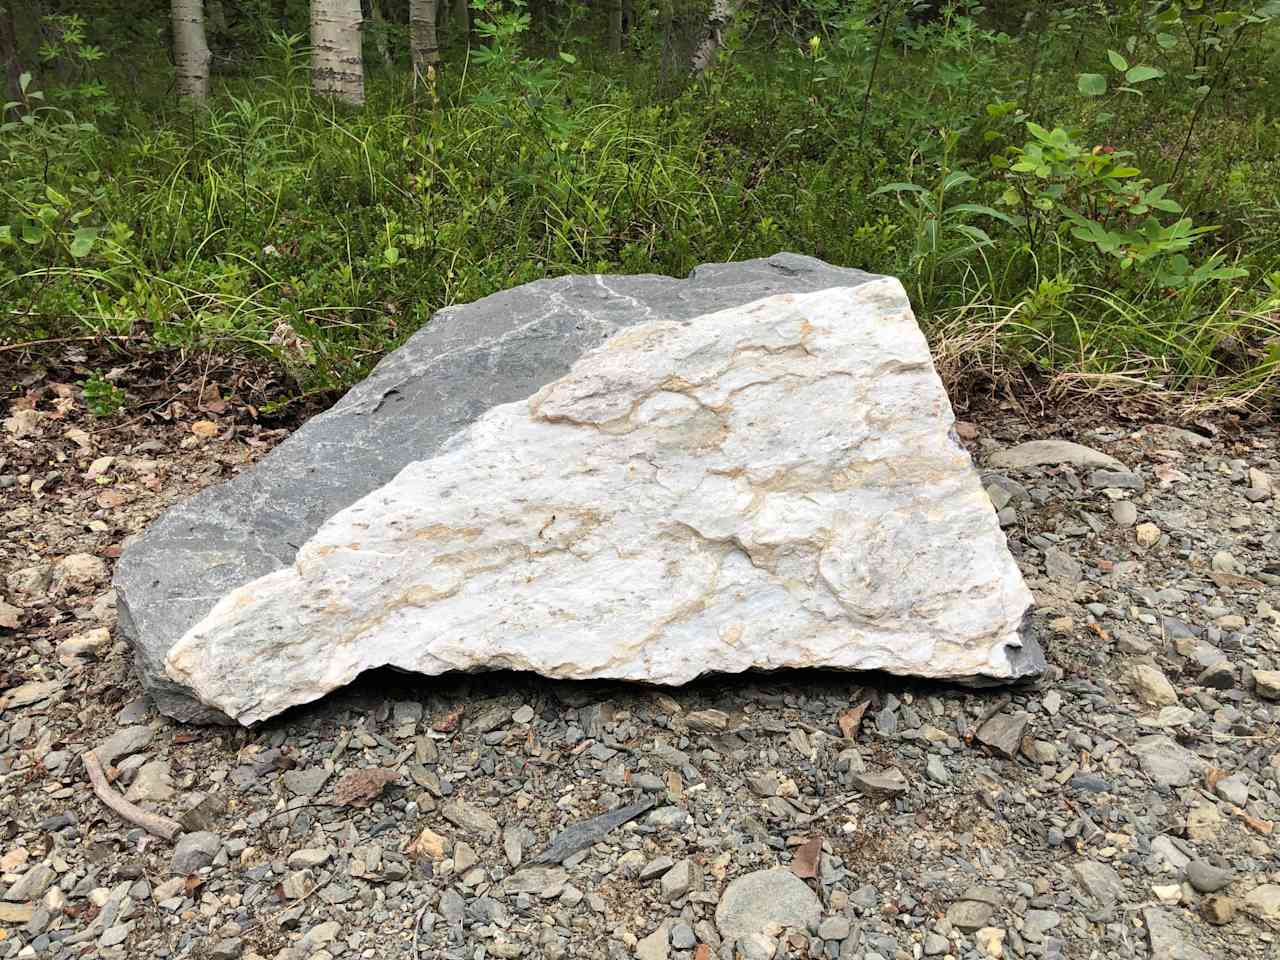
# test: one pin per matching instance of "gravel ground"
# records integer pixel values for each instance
(1123, 806)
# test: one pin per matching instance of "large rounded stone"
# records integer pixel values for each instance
(758, 899)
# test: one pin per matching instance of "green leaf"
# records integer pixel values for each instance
(82, 241)
(55, 197)
(899, 187)
(1117, 61)
(1091, 84)
(1143, 73)
(568, 57)
(1167, 41)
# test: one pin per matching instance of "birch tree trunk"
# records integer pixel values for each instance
(704, 56)
(379, 31)
(190, 51)
(462, 18)
(337, 65)
(9, 54)
(423, 43)
(615, 26)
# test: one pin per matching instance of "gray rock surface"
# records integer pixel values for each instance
(756, 900)
(468, 360)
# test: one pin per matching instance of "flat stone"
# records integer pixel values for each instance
(1099, 880)
(16, 914)
(682, 879)
(1061, 566)
(1266, 684)
(1151, 686)
(765, 527)
(655, 946)
(1167, 762)
(306, 781)
(755, 901)
(1003, 733)
(970, 915)
(308, 857)
(1036, 453)
(885, 783)
(193, 851)
(1117, 480)
(1124, 513)
(1167, 940)
(834, 928)
(152, 782)
(124, 742)
(25, 694)
(470, 818)
(1206, 877)
(1264, 901)
(465, 361)
(32, 884)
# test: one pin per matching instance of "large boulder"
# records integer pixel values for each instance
(772, 485)
(467, 360)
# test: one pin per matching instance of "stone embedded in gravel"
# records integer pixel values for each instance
(1218, 910)
(1117, 480)
(1063, 567)
(1167, 940)
(17, 914)
(756, 900)
(530, 500)
(683, 878)
(1219, 675)
(1099, 880)
(124, 742)
(834, 928)
(1233, 789)
(1037, 923)
(655, 946)
(1124, 513)
(1264, 901)
(467, 360)
(990, 941)
(470, 818)
(1166, 762)
(1003, 733)
(708, 721)
(1036, 453)
(308, 857)
(1147, 534)
(306, 781)
(26, 694)
(1206, 877)
(885, 783)
(970, 915)
(194, 851)
(1151, 686)
(152, 782)
(1266, 684)
(1203, 822)
(31, 884)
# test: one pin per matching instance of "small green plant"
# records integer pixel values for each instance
(102, 397)
(1101, 199)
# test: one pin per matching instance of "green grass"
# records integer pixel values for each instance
(275, 224)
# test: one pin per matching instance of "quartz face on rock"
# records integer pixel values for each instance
(773, 485)
(470, 358)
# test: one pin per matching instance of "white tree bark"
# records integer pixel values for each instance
(190, 51)
(337, 64)
(423, 43)
(704, 56)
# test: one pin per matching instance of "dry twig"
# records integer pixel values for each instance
(151, 822)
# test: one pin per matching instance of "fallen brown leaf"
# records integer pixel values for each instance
(851, 719)
(449, 722)
(805, 862)
(359, 788)
(9, 616)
